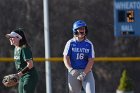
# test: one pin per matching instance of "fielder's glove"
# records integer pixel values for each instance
(73, 72)
(10, 80)
(81, 76)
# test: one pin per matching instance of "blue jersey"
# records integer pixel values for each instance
(79, 52)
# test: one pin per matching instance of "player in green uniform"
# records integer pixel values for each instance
(23, 62)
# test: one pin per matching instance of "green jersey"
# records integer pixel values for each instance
(21, 56)
(28, 81)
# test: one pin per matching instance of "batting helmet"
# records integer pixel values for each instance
(78, 24)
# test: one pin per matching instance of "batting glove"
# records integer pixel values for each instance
(81, 76)
(73, 72)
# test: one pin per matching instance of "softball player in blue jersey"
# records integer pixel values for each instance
(78, 59)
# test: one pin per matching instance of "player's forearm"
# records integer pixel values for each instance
(30, 64)
(27, 68)
(67, 62)
(89, 66)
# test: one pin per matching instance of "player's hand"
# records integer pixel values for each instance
(73, 72)
(81, 76)
(20, 74)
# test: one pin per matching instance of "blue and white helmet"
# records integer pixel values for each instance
(78, 24)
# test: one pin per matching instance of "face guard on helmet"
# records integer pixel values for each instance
(79, 24)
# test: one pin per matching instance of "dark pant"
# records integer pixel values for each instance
(28, 83)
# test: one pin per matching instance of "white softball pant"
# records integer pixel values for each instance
(75, 85)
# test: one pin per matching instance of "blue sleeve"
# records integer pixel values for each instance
(91, 52)
(67, 49)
